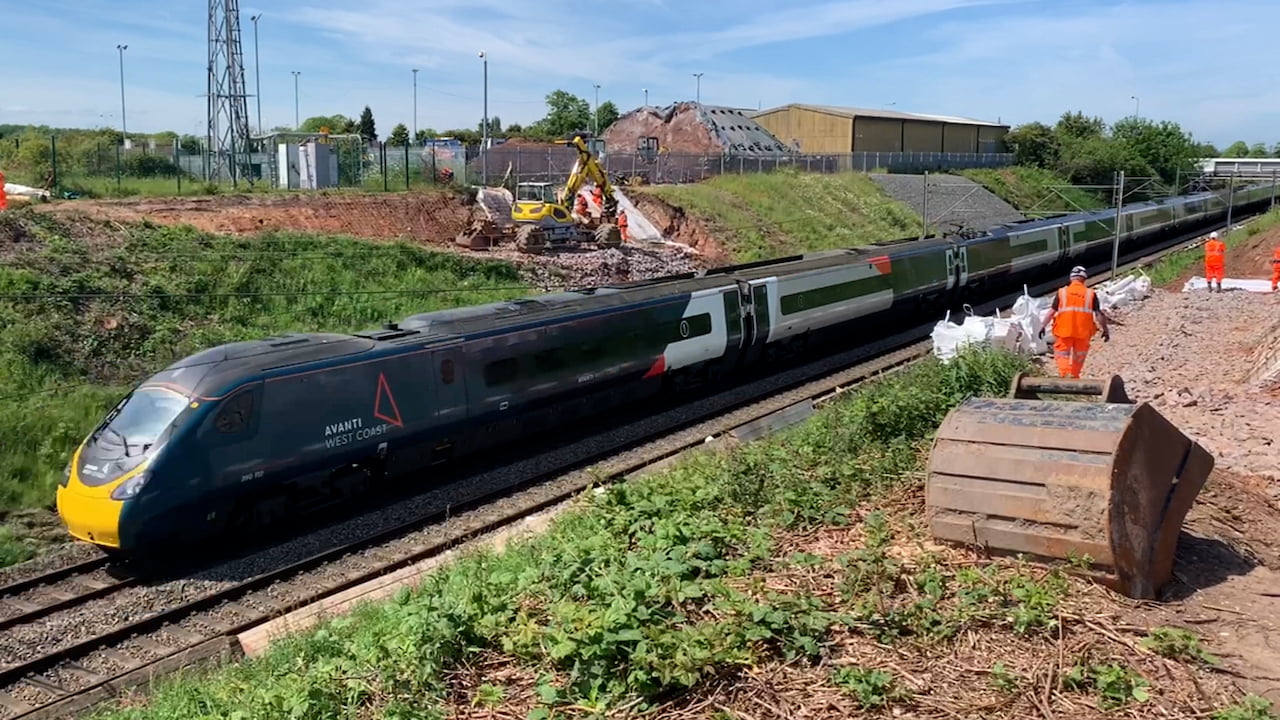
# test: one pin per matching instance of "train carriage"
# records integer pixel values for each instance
(247, 431)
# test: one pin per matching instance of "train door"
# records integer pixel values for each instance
(1066, 244)
(450, 383)
(957, 267)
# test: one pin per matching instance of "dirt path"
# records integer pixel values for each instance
(1208, 363)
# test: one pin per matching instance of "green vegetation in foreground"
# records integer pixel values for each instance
(1037, 192)
(764, 215)
(1174, 266)
(191, 291)
(665, 582)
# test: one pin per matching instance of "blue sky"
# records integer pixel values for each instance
(1204, 63)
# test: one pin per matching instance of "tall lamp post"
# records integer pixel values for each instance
(1136, 106)
(257, 72)
(124, 125)
(296, 122)
(698, 97)
(415, 106)
(646, 97)
(484, 123)
(596, 122)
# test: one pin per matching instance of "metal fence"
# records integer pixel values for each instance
(74, 166)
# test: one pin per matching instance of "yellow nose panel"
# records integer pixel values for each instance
(89, 518)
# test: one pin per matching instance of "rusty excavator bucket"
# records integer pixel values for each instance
(1056, 479)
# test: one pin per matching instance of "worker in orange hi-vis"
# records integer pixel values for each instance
(622, 224)
(4, 199)
(1215, 261)
(580, 207)
(1275, 269)
(1072, 315)
(597, 194)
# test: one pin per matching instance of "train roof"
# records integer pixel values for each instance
(210, 372)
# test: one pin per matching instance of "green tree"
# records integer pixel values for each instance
(1034, 144)
(1078, 125)
(424, 134)
(516, 129)
(1206, 150)
(566, 113)
(1096, 160)
(1258, 150)
(1163, 146)
(367, 129)
(1237, 149)
(335, 123)
(608, 114)
(465, 136)
(189, 144)
(399, 136)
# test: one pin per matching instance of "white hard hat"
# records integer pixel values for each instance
(1213, 235)
(1079, 272)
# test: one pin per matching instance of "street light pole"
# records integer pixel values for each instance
(596, 123)
(1136, 112)
(296, 122)
(124, 125)
(257, 71)
(698, 97)
(484, 141)
(415, 105)
(646, 97)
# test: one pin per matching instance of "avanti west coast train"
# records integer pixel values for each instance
(250, 431)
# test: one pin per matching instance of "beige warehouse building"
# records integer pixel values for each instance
(824, 129)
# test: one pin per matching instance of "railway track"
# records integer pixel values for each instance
(83, 668)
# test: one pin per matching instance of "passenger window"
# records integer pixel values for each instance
(235, 414)
(446, 372)
(501, 372)
(550, 361)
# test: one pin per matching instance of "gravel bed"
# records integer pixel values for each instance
(102, 665)
(952, 199)
(43, 595)
(135, 649)
(48, 561)
(589, 268)
(28, 694)
(64, 678)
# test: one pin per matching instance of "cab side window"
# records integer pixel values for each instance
(446, 372)
(235, 414)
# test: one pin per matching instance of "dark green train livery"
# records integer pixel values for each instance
(245, 432)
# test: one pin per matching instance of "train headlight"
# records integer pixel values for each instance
(66, 476)
(131, 487)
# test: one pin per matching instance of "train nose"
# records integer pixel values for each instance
(89, 514)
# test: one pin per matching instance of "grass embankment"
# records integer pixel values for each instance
(763, 215)
(793, 570)
(86, 311)
(1174, 266)
(1036, 192)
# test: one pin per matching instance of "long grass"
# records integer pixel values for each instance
(1037, 192)
(763, 215)
(84, 317)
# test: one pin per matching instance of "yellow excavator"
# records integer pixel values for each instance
(542, 214)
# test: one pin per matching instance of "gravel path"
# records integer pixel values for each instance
(1202, 359)
(589, 268)
(952, 199)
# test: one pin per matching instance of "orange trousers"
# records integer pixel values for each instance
(1212, 273)
(1275, 280)
(1070, 354)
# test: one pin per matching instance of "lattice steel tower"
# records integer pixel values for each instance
(228, 104)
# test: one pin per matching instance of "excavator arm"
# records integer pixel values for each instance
(587, 168)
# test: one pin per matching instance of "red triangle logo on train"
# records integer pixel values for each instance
(384, 404)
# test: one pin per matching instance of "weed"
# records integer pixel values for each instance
(1003, 679)
(1178, 644)
(489, 695)
(12, 549)
(1116, 685)
(871, 687)
(1251, 707)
